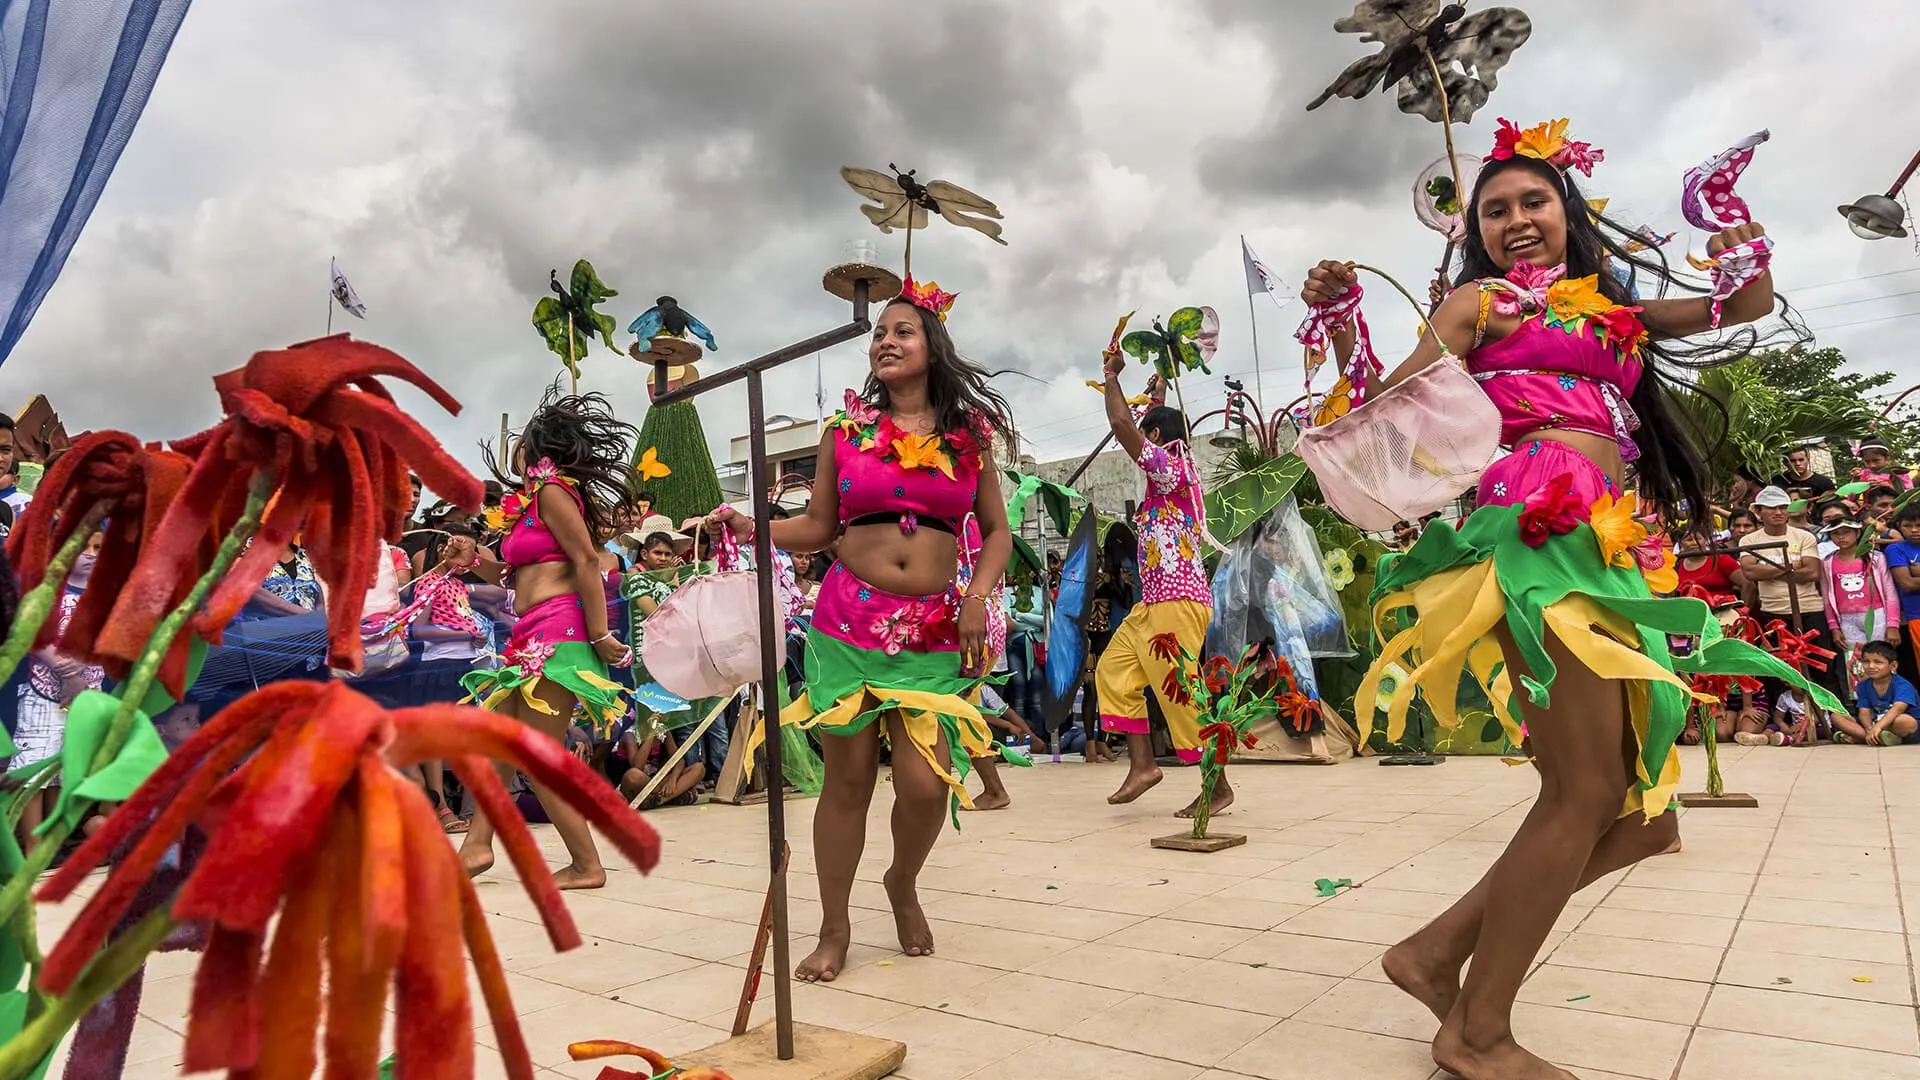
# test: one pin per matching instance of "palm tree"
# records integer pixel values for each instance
(1744, 420)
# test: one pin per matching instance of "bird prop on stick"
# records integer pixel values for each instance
(667, 316)
(902, 202)
(567, 319)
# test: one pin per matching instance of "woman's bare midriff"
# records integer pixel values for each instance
(1600, 450)
(916, 564)
(536, 583)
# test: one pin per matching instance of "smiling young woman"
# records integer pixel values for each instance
(1548, 586)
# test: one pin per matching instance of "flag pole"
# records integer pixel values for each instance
(1258, 392)
(330, 301)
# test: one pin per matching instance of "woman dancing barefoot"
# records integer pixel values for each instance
(900, 637)
(1580, 382)
(572, 463)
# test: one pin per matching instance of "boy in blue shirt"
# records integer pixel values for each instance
(1903, 561)
(1887, 703)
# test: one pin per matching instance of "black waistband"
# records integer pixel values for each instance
(902, 520)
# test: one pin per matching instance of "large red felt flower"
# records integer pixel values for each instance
(1553, 509)
(1165, 647)
(1173, 691)
(1301, 711)
(1621, 328)
(307, 818)
(338, 450)
(1797, 651)
(1217, 672)
(132, 485)
(1721, 687)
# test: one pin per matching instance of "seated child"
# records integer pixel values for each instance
(1793, 719)
(1877, 467)
(1885, 700)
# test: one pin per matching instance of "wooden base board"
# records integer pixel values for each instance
(1185, 842)
(1731, 800)
(818, 1054)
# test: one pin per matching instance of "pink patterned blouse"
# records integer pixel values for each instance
(1168, 525)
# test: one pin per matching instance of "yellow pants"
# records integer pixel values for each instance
(1130, 667)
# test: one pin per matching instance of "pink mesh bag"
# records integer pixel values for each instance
(1408, 451)
(704, 640)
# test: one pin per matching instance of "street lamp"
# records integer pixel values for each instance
(1876, 217)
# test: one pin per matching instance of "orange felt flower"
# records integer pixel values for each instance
(922, 452)
(1543, 140)
(308, 818)
(1616, 530)
(1576, 298)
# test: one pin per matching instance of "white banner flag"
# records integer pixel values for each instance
(343, 294)
(1259, 278)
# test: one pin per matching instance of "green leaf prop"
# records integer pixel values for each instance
(567, 320)
(1185, 341)
(88, 719)
(1235, 506)
(1057, 498)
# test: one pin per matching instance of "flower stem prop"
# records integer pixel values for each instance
(1228, 707)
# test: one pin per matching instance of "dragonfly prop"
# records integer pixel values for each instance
(567, 319)
(902, 202)
(1186, 341)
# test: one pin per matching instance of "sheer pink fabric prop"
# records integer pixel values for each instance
(1708, 201)
(1411, 450)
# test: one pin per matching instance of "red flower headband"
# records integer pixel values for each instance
(930, 296)
(1546, 141)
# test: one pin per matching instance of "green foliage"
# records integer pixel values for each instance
(568, 322)
(1777, 398)
(1242, 499)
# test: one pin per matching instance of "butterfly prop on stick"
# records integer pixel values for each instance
(1708, 201)
(567, 319)
(1444, 64)
(902, 202)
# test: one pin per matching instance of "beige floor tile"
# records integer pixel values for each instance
(1168, 935)
(1722, 1055)
(1010, 949)
(1709, 930)
(1653, 874)
(1376, 927)
(1269, 991)
(1867, 1025)
(1817, 940)
(941, 1046)
(1298, 1050)
(600, 966)
(926, 981)
(1661, 959)
(1302, 952)
(1884, 982)
(1075, 923)
(819, 1004)
(549, 1031)
(1418, 905)
(1672, 1001)
(1831, 890)
(1582, 1040)
(1035, 1003)
(689, 995)
(1248, 914)
(1673, 902)
(1179, 1030)
(1067, 1059)
(1114, 967)
(1376, 1007)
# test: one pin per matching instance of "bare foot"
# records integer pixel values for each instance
(916, 937)
(994, 801)
(576, 877)
(1424, 977)
(1673, 848)
(477, 860)
(827, 958)
(1505, 1060)
(1222, 798)
(1135, 785)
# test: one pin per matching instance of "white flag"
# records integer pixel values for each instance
(1259, 278)
(343, 294)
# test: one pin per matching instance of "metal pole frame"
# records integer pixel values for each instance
(772, 645)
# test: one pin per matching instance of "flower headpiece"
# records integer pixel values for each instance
(1546, 141)
(930, 296)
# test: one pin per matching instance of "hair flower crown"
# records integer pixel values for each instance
(1546, 141)
(930, 296)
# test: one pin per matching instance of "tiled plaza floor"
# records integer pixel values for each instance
(1777, 945)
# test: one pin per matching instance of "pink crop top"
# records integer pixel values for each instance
(529, 540)
(1556, 371)
(885, 471)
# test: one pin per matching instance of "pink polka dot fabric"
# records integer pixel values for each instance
(1168, 525)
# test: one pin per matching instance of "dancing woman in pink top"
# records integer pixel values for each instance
(1545, 593)
(907, 624)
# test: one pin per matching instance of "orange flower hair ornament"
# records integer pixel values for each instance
(1546, 141)
(929, 295)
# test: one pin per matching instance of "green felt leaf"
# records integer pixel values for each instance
(1186, 322)
(1147, 347)
(1235, 506)
(7, 749)
(1491, 731)
(158, 700)
(1858, 487)
(13, 1017)
(13, 960)
(1057, 498)
(88, 719)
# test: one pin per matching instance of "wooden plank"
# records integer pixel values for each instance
(731, 787)
(1699, 800)
(818, 1054)
(1211, 843)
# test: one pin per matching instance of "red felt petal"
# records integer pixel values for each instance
(483, 783)
(433, 1028)
(493, 984)
(223, 1023)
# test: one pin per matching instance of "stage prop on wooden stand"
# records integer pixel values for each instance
(783, 1050)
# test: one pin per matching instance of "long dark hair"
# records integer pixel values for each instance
(956, 387)
(579, 434)
(1672, 467)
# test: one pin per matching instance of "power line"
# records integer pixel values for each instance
(1864, 322)
(1851, 280)
(1862, 300)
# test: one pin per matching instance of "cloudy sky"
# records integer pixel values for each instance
(451, 154)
